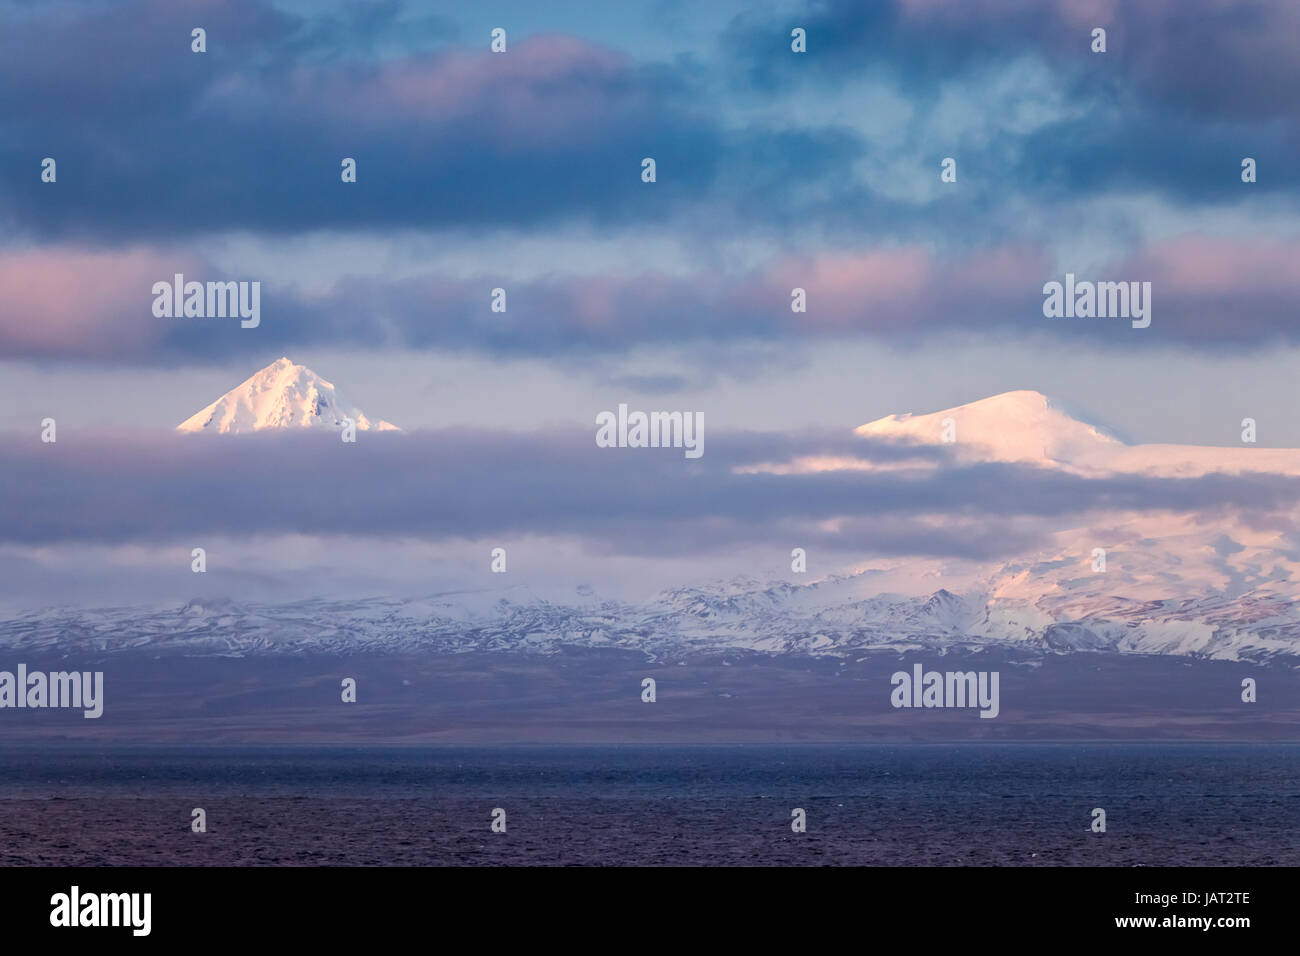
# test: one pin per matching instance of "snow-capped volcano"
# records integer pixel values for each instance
(1031, 428)
(282, 395)
(1012, 426)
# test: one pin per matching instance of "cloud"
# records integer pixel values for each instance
(1208, 293)
(251, 134)
(471, 484)
(76, 303)
(1217, 59)
(1184, 91)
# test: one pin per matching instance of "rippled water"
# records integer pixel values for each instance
(981, 804)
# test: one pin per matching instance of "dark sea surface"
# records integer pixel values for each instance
(896, 805)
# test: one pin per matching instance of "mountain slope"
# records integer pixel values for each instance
(1012, 426)
(1029, 427)
(820, 620)
(281, 396)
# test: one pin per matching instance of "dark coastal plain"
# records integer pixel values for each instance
(595, 697)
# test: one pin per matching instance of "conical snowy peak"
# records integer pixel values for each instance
(1012, 426)
(281, 396)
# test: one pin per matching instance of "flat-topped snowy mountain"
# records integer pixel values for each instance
(1031, 428)
(1013, 426)
(281, 396)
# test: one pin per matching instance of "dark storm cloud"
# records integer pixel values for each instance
(153, 140)
(1183, 93)
(1216, 59)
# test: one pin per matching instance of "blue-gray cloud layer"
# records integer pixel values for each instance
(154, 141)
(479, 484)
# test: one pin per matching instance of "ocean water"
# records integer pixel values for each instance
(894, 805)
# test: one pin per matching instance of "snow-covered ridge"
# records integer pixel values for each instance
(281, 396)
(837, 617)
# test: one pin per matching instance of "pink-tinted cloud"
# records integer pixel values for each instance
(1211, 291)
(61, 302)
(544, 88)
(910, 290)
(1207, 292)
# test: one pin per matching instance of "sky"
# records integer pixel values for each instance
(522, 170)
